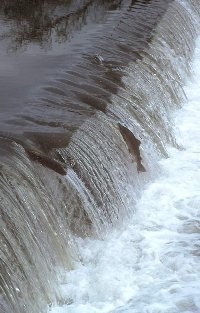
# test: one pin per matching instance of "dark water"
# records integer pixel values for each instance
(75, 121)
(62, 60)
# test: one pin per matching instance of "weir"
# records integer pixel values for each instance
(85, 120)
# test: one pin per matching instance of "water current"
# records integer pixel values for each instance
(99, 156)
(152, 263)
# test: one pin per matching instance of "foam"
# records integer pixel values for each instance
(152, 265)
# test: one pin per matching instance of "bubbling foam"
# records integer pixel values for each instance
(153, 264)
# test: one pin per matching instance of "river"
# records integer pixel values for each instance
(99, 156)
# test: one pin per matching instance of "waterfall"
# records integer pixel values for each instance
(78, 206)
(151, 264)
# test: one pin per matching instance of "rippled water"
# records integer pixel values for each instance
(53, 55)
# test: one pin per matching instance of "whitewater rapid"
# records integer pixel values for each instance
(153, 264)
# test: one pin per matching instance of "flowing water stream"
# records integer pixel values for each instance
(152, 263)
(99, 156)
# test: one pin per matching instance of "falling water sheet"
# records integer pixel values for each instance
(70, 123)
(152, 265)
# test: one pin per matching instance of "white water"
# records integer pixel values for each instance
(152, 266)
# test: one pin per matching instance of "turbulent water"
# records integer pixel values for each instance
(151, 264)
(99, 156)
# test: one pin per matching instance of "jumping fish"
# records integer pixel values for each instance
(133, 145)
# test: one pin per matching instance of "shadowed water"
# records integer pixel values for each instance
(86, 99)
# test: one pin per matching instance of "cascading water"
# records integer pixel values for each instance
(83, 228)
(152, 264)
